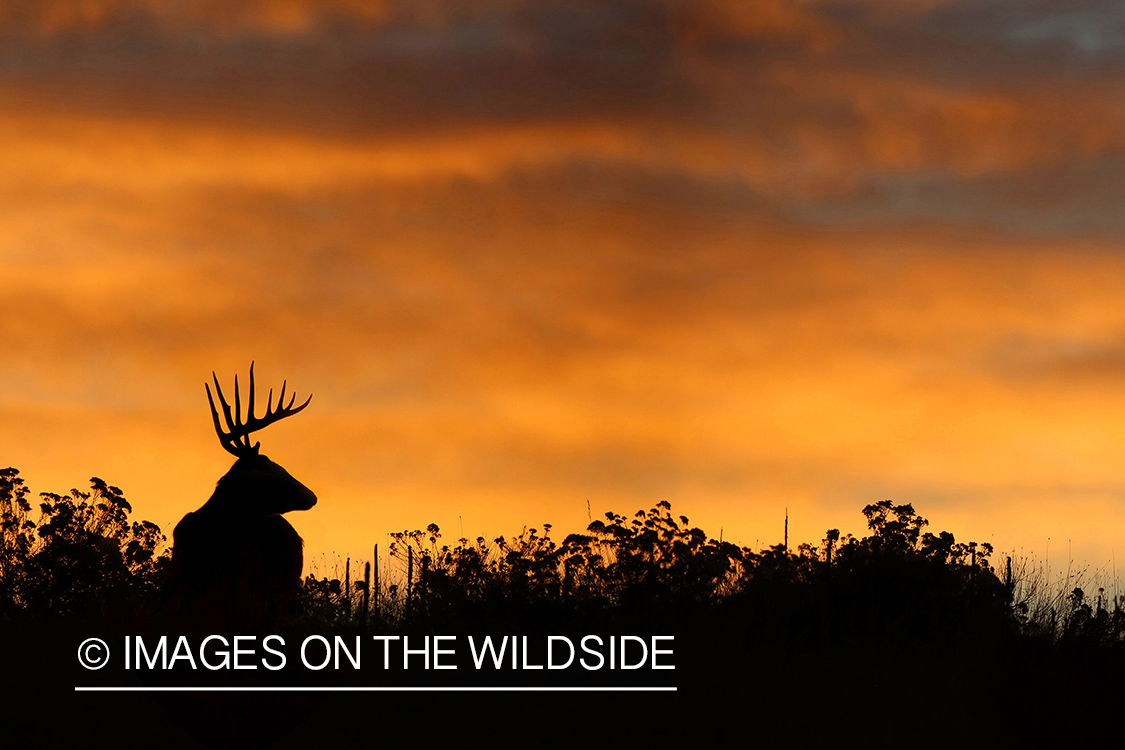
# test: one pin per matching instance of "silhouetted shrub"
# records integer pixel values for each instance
(652, 560)
(81, 557)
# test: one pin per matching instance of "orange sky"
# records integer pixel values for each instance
(740, 256)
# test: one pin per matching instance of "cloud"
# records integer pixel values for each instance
(1069, 33)
(988, 42)
(1048, 199)
(794, 99)
(337, 67)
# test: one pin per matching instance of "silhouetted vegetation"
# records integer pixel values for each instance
(917, 613)
(78, 557)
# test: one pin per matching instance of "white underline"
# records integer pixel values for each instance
(376, 689)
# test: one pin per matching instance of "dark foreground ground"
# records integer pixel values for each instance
(901, 638)
(729, 687)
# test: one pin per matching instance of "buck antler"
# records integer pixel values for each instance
(237, 440)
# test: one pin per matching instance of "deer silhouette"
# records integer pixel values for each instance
(236, 562)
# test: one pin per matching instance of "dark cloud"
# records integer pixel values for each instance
(1059, 199)
(637, 189)
(506, 60)
(1069, 31)
(973, 43)
(765, 102)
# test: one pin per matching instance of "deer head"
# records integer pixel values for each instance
(255, 485)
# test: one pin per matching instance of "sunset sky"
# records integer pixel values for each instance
(741, 255)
